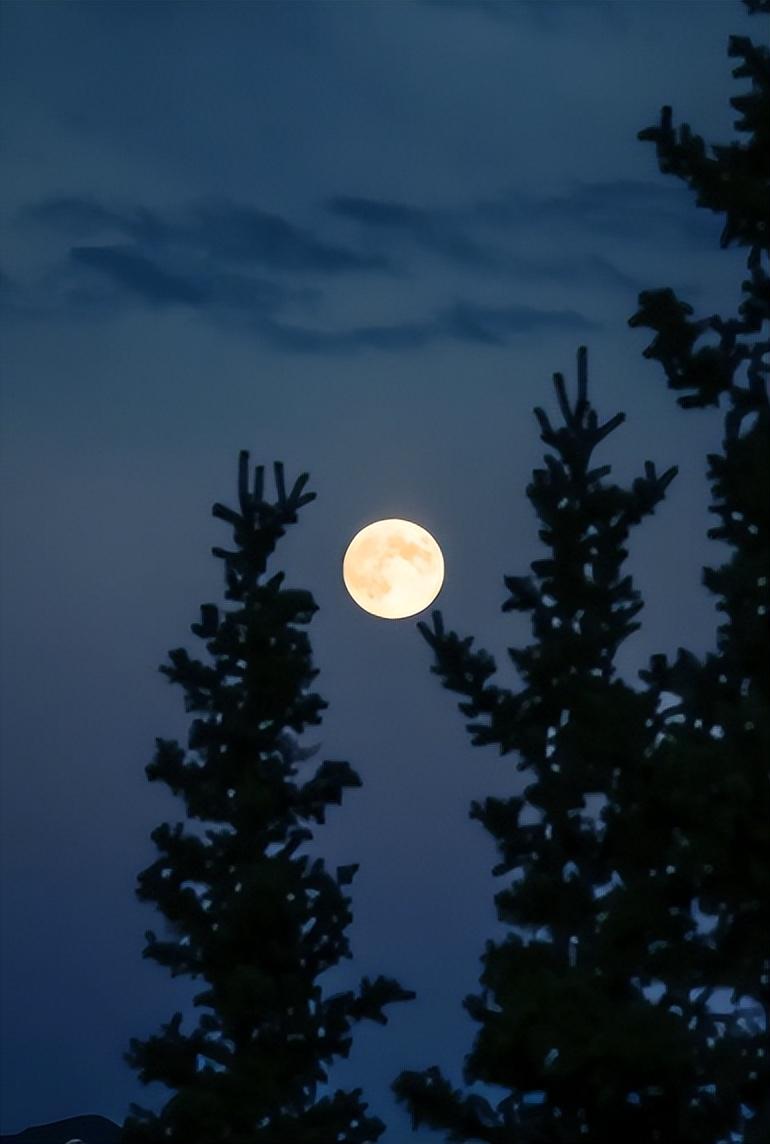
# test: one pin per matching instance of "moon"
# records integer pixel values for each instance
(393, 568)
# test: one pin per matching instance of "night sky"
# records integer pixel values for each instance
(358, 238)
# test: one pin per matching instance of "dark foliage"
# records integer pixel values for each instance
(598, 1012)
(252, 918)
(565, 1023)
(712, 761)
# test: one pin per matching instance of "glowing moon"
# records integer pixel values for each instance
(393, 568)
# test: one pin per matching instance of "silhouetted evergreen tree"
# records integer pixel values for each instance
(712, 761)
(565, 1024)
(685, 827)
(255, 920)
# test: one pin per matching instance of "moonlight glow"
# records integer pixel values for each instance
(393, 569)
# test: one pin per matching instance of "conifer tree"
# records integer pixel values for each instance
(249, 915)
(685, 829)
(565, 1023)
(712, 760)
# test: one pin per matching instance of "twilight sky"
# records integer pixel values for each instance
(358, 238)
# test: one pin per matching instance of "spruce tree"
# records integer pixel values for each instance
(685, 829)
(565, 1024)
(254, 919)
(714, 740)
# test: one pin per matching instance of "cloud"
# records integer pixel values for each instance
(83, 217)
(224, 231)
(140, 275)
(144, 278)
(246, 234)
(454, 233)
(224, 235)
(463, 321)
(393, 337)
(205, 257)
(435, 230)
(577, 270)
(622, 208)
(493, 325)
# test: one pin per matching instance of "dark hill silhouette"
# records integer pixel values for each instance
(88, 1129)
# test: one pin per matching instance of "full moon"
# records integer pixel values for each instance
(393, 569)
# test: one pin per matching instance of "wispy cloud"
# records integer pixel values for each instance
(224, 231)
(623, 208)
(141, 276)
(260, 270)
(393, 337)
(249, 235)
(629, 208)
(463, 321)
(494, 325)
(440, 231)
(583, 230)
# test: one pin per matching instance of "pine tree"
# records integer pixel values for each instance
(712, 762)
(565, 1023)
(249, 915)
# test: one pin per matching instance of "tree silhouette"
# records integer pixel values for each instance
(597, 1013)
(248, 914)
(712, 761)
(565, 1024)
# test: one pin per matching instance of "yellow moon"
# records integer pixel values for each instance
(393, 568)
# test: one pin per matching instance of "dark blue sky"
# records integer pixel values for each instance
(358, 238)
